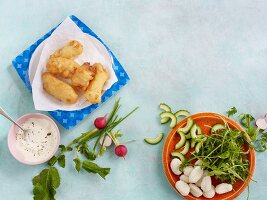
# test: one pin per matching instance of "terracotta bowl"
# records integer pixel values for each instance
(202, 120)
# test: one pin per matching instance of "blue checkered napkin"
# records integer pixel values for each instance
(69, 119)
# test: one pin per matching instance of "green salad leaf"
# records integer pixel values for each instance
(61, 161)
(232, 111)
(45, 184)
(78, 164)
(223, 155)
(94, 168)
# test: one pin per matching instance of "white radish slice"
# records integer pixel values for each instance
(261, 124)
(205, 173)
(198, 162)
(184, 178)
(206, 184)
(210, 194)
(175, 164)
(182, 187)
(195, 191)
(188, 170)
(107, 141)
(196, 174)
(223, 188)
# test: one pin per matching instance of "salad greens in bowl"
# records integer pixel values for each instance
(207, 156)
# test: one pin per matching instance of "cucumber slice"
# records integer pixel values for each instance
(217, 127)
(193, 131)
(164, 120)
(198, 146)
(193, 143)
(200, 137)
(171, 116)
(188, 136)
(183, 113)
(155, 140)
(181, 141)
(199, 131)
(165, 107)
(178, 155)
(186, 148)
(189, 124)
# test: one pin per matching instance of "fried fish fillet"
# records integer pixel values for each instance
(94, 91)
(59, 89)
(82, 76)
(62, 67)
(70, 51)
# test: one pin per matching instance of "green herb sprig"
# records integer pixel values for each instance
(258, 137)
(48, 180)
(223, 155)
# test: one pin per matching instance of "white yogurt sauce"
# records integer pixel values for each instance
(40, 141)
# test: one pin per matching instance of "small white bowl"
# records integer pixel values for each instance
(11, 140)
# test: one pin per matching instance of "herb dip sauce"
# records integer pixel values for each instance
(39, 142)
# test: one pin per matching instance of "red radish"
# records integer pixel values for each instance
(100, 122)
(121, 150)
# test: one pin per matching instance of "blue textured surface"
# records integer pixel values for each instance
(205, 55)
(70, 119)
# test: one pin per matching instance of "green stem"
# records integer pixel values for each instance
(83, 138)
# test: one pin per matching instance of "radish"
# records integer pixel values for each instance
(261, 124)
(100, 122)
(206, 184)
(106, 142)
(195, 191)
(196, 174)
(184, 178)
(188, 170)
(182, 187)
(210, 194)
(121, 150)
(175, 165)
(223, 188)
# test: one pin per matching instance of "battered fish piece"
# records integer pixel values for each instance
(94, 91)
(59, 89)
(82, 76)
(62, 67)
(70, 51)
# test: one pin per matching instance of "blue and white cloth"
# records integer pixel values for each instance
(69, 119)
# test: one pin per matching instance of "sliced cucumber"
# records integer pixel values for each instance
(198, 146)
(188, 136)
(193, 143)
(199, 131)
(189, 124)
(171, 116)
(164, 120)
(178, 155)
(198, 136)
(193, 131)
(183, 113)
(217, 127)
(165, 107)
(181, 141)
(186, 148)
(154, 140)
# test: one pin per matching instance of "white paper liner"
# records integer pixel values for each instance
(93, 52)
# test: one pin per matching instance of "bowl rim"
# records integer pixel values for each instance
(11, 144)
(197, 116)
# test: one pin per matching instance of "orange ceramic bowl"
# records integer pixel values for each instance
(205, 120)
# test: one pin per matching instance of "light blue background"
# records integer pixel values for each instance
(198, 55)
